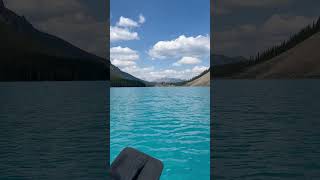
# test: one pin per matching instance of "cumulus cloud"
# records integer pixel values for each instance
(187, 60)
(122, 34)
(255, 3)
(123, 56)
(170, 73)
(151, 74)
(122, 31)
(142, 19)
(286, 24)
(75, 28)
(199, 69)
(122, 63)
(248, 39)
(178, 74)
(123, 53)
(43, 9)
(127, 22)
(226, 6)
(139, 72)
(183, 46)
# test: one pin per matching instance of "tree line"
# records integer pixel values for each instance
(182, 83)
(39, 67)
(294, 40)
(126, 83)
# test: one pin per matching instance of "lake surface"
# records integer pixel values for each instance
(267, 129)
(53, 130)
(171, 124)
(260, 129)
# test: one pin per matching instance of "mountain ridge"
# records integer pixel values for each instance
(302, 61)
(203, 80)
(28, 54)
(296, 58)
(167, 80)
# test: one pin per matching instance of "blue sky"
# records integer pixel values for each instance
(241, 27)
(171, 40)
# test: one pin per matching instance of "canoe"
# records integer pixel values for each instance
(132, 164)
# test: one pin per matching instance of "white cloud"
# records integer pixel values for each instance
(249, 39)
(151, 74)
(187, 60)
(127, 22)
(198, 46)
(136, 69)
(122, 34)
(142, 19)
(167, 73)
(199, 69)
(179, 74)
(122, 31)
(124, 53)
(123, 56)
(139, 72)
(123, 63)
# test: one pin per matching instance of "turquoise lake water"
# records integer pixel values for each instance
(170, 124)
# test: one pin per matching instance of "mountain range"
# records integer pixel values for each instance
(296, 58)
(218, 59)
(302, 61)
(202, 80)
(27, 54)
(168, 80)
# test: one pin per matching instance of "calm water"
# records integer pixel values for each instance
(53, 130)
(171, 124)
(266, 129)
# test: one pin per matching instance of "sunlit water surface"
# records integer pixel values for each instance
(171, 124)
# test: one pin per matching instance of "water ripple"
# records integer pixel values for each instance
(171, 124)
(266, 129)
